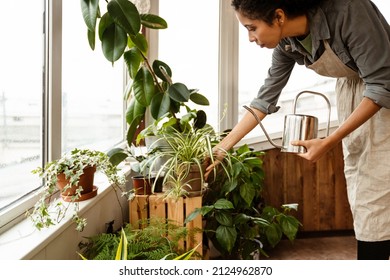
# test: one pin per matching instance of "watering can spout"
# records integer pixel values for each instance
(262, 127)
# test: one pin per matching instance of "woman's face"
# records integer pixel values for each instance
(260, 32)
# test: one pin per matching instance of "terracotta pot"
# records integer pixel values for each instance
(142, 185)
(86, 182)
(194, 179)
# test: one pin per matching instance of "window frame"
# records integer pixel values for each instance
(51, 107)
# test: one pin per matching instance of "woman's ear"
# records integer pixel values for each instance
(280, 16)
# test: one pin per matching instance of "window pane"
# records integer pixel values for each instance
(21, 56)
(190, 47)
(253, 68)
(92, 89)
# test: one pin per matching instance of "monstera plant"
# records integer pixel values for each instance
(121, 33)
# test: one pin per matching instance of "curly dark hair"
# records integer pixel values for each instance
(265, 9)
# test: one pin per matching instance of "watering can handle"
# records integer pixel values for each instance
(262, 127)
(316, 93)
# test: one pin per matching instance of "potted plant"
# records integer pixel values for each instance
(121, 31)
(237, 221)
(73, 176)
(185, 160)
(145, 181)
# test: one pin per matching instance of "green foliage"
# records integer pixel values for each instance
(237, 221)
(47, 213)
(120, 31)
(184, 153)
(158, 239)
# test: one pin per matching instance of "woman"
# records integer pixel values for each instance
(348, 40)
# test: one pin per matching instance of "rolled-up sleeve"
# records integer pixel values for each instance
(278, 75)
(367, 35)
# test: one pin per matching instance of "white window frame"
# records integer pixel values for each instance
(51, 107)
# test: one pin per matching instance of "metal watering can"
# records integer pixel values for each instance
(296, 127)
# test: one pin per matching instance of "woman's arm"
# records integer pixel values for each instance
(316, 148)
(242, 128)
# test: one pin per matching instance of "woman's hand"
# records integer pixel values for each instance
(218, 156)
(315, 148)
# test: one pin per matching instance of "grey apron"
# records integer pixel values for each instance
(366, 152)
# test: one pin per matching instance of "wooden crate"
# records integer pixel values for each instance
(148, 206)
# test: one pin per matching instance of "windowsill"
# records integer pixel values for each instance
(23, 240)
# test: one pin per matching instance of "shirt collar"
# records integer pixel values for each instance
(319, 30)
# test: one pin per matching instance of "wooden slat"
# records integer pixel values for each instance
(157, 206)
(319, 188)
(326, 189)
(309, 206)
(191, 203)
(138, 210)
(148, 206)
(175, 213)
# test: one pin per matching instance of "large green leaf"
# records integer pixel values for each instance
(289, 226)
(159, 66)
(206, 209)
(126, 15)
(241, 218)
(91, 39)
(130, 137)
(133, 110)
(114, 42)
(140, 42)
(104, 23)
(117, 155)
(229, 186)
(274, 234)
(254, 161)
(237, 168)
(153, 21)
(247, 192)
(224, 218)
(226, 237)
(193, 215)
(179, 92)
(201, 119)
(160, 105)
(223, 204)
(143, 87)
(89, 9)
(133, 61)
(199, 99)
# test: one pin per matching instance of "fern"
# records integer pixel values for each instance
(159, 238)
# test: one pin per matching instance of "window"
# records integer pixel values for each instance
(21, 56)
(55, 94)
(190, 47)
(92, 89)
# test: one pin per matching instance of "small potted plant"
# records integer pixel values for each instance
(185, 160)
(72, 176)
(145, 181)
